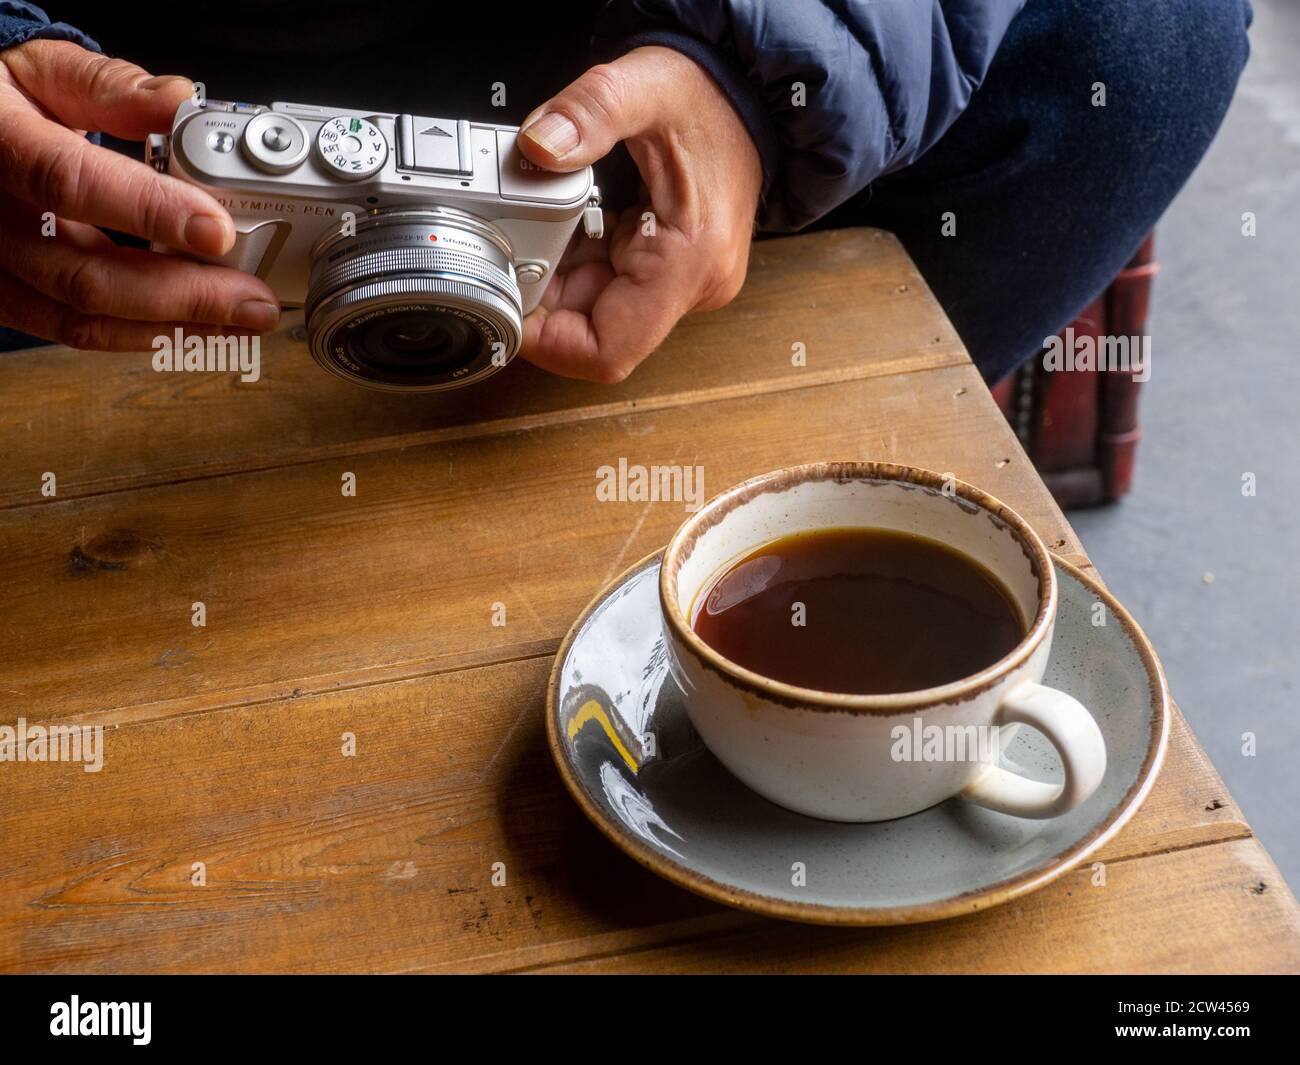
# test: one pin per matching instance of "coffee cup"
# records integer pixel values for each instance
(849, 757)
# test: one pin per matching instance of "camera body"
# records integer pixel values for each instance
(415, 243)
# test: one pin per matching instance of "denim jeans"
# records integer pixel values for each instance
(1046, 192)
(1050, 194)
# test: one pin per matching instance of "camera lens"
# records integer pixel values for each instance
(417, 299)
(425, 343)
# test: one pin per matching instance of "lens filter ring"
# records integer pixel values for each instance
(417, 299)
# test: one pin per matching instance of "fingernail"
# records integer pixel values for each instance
(557, 134)
(256, 314)
(163, 81)
(206, 235)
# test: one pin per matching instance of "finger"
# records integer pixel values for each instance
(20, 224)
(609, 103)
(30, 311)
(80, 235)
(86, 90)
(55, 170)
(630, 318)
(560, 342)
(137, 284)
(633, 310)
(577, 289)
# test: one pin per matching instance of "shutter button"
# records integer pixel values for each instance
(274, 143)
(277, 139)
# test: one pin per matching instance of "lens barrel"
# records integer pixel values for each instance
(416, 299)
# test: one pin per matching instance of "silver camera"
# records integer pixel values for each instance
(416, 244)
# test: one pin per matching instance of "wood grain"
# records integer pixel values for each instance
(307, 589)
(372, 616)
(1222, 908)
(382, 861)
(102, 422)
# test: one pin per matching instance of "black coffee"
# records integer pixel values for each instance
(863, 611)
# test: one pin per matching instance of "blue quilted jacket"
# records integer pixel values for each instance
(833, 92)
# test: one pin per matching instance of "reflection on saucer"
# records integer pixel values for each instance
(633, 809)
(592, 710)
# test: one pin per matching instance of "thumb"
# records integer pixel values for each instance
(86, 90)
(609, 103)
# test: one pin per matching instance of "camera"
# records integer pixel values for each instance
(415, 244)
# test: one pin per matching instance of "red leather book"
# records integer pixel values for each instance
(1080, 425)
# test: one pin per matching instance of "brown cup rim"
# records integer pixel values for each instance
(893, 703)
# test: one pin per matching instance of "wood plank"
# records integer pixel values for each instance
(1190, 804)
(372, 615)
(1223, 908)
(305, 589)
(383, 861)
(103, 422)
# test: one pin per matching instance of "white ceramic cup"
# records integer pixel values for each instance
(845, 757)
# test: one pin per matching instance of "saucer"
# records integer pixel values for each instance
(627, 752)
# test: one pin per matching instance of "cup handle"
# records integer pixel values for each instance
(1077, 739)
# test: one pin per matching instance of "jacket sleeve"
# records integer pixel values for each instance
(881, 80)
(20, 22)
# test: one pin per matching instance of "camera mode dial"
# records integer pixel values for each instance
(351, 147)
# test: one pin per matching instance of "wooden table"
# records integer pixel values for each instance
(372, 615)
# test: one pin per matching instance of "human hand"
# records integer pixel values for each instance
(74, 285)
(612, 302)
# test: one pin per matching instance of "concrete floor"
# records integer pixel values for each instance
(1211, 574)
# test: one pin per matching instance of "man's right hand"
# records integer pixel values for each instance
(75, 286)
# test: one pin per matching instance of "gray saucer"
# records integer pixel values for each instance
(629, 756)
